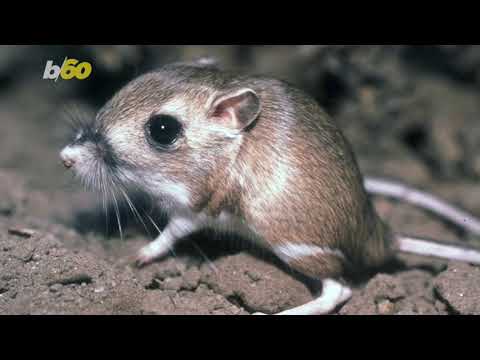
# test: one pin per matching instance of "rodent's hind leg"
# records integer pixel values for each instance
(176, 229)
(333, 295)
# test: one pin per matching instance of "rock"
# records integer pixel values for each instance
(386, 307)
(386, 287)
(22, 232)
(191, 278)
(55, 287)
(174, 284)
(409, 292)
(459, 288)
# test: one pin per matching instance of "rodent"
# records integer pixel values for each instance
(255, 156)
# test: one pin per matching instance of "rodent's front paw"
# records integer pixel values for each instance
(143, 257)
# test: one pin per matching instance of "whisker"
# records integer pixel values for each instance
(117, 211)
(205, 257)
(202, 254)
(104, 200)
(134, 210)
(75, 118)
(138, 189)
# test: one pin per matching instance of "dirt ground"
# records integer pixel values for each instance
(411, 113)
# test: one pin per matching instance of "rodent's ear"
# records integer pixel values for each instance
(237, 109)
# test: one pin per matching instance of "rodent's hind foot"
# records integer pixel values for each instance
(333, 295)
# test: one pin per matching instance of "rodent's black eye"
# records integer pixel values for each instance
(164, 129)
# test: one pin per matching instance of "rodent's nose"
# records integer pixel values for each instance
(68, 158)
(68, 163)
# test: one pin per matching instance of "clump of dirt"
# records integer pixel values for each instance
(406, 293)
(57, 255)
(459, 289)
(256, 285)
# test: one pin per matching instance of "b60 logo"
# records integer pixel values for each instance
(71, 68)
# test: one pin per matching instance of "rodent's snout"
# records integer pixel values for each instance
(68, 157)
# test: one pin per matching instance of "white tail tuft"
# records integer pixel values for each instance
(444, 251)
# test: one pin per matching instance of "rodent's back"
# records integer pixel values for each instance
(295, 167)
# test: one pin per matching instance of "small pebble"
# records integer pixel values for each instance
(22, 232)
(172, 284)
(55, 287)
(386, 308)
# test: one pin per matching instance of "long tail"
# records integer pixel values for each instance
(432, 248)
(424, 200)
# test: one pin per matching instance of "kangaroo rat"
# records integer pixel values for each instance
(255, 156)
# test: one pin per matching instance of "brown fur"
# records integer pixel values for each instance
(290, 175)
(323, 201)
